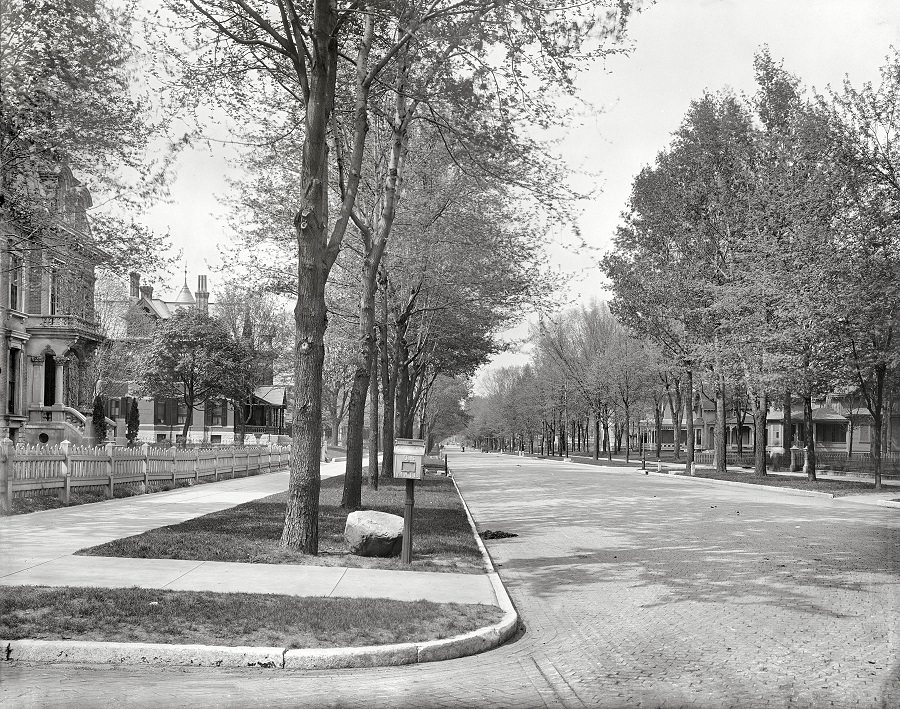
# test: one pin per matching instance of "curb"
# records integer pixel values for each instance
(733, 483)
(116, 653)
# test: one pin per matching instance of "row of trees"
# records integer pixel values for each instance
(758, 262)
(589, 382)
(763, 247)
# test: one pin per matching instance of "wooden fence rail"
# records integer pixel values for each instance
(67, 466)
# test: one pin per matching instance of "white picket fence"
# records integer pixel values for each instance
(66, 466)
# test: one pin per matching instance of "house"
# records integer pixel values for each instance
(841, 423)
(213, 421)
(48, 328)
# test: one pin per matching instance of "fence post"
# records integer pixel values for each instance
(66, 470)
(197, 467)
(233, 462)
(108, 462)
(7, 468)
(145, 465)
(216, 465)
(174, 465)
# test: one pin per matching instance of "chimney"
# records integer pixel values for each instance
(202, 295)
(147, 292)
(135, 284)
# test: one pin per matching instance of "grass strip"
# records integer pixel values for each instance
(251, 532)
(231, 619)
(838, 488)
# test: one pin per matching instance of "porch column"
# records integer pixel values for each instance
(60, 377)
(37, 380)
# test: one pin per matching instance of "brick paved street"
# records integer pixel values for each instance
(635, 591)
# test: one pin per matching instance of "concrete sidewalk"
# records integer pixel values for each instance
(38, 549)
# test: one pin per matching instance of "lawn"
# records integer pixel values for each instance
(838, 488)
(38, 502)
(442, 538)
(188, 617)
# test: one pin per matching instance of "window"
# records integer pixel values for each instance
(53, 301)
(216, 413)
(13, 381)
(16, 273)
(831, 432)
(114, 408)
(165, 412)
(215, 438)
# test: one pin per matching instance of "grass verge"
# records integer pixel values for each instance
(189, 617)
(838, 488)
(251, 532)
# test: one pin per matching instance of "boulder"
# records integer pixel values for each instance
(370, 533)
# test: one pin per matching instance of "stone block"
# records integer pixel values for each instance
(347, 657)
(370, 533)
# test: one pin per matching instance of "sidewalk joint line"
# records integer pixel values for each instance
(336, 583)
(177, 578)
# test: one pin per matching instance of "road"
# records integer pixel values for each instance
(634, 590)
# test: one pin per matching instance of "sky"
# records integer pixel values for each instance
(679, 49)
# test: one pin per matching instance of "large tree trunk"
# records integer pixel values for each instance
(373, 422)
(760, 408)
(658, 417)
(689, 413)
(597, 437)
(677, 411)
(878, 422)
(719, 432)
(787, 425)
(301, 528)
(301, 522)
(356, 411)
(809, 459)
(627, 433)
(388, 386)
(335, 430)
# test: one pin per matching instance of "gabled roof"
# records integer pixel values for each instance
(822, 414)
(273, 395)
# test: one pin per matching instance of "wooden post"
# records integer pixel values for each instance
(197, 466)
(174, 465)
(406, 550)
(66, 471)
(233, 461)
(7, 470)
(109, 467)
(145, 464)
(446, 469)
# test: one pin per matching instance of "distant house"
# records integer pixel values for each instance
(841, 423)
(261, 420)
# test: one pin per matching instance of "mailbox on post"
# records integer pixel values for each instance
(409, 458)
(409, 463)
